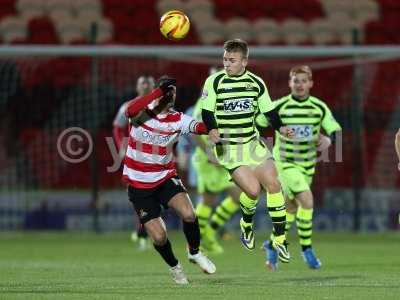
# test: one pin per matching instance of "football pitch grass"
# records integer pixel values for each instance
(108, 266)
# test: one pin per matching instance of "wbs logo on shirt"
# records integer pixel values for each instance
(238, 105)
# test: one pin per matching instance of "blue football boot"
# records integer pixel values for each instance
(310, 259)
(271, 256)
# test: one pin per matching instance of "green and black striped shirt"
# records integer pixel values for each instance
(235, 101)
(306, 117)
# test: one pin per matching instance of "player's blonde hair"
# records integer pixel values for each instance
(302, 69)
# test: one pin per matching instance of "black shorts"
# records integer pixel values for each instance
(148, 202)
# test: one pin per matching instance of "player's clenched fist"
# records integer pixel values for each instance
(214, 136)
(323, 142)
(287, 131)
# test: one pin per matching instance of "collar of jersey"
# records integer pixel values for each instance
(236, 76)
(299, 100)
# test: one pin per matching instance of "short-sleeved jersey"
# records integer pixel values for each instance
(149, 159)
(235, 101)
(306, 117)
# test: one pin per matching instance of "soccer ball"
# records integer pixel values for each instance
(174, 25)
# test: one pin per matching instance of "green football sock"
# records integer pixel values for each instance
(224, 212)
(304, 226)
(277, 211)
(203, 213)
(290, 218)
(248, 207)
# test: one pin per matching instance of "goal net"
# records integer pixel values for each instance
(46, 91)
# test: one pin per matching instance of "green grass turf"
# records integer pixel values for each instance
(89, 266)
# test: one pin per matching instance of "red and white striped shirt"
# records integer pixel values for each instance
(149, 159)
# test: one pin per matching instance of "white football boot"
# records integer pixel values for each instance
(178, 275)
(203, 262)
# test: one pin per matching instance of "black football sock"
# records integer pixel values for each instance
(167, 254)
(192, 234)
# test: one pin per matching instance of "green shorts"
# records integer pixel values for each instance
(211, 178)
(293, 181)
(250, 154)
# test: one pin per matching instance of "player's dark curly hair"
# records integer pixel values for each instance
(162, 79)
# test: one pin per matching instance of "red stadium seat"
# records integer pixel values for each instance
(42, 31)
(144, 15)
(127, 37)
(6, 10)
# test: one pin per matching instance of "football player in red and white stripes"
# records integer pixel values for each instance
(144, 85)
(150, 171)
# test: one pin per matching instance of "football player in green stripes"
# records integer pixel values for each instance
(296, 158)
(212, 180)
(230, 101)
